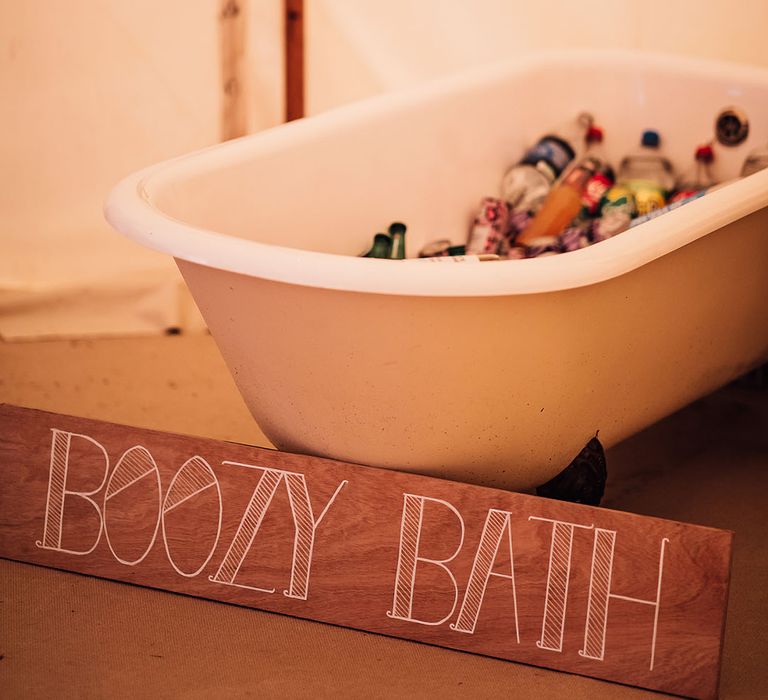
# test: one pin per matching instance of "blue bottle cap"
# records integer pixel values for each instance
(650, 138)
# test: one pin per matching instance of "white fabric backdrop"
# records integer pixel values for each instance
(91, 90)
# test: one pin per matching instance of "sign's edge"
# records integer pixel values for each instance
(407, 640)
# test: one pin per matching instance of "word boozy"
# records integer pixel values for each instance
(136, 472)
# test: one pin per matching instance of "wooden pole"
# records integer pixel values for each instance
(234, 115)
(294, 59)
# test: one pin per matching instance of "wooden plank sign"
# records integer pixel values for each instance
(612, 595)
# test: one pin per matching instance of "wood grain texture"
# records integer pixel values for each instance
(232, 21)
(586, 590)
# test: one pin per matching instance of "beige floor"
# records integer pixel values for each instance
(64, 635)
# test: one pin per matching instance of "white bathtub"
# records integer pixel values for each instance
(495, 373)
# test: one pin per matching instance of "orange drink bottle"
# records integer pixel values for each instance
(562, 204)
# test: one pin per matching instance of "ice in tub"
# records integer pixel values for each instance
(498, 373)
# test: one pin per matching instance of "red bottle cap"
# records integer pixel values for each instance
(594, 134)
(705, 154)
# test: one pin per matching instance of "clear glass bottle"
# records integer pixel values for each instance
(647, 174)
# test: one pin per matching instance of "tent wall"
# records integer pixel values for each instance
(91, 90)
(361, 47)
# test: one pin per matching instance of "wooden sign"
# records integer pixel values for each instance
(586, 590)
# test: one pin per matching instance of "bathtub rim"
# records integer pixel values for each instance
(131, 210)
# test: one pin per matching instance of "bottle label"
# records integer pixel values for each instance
(578, 176)
(663, 210)
(594, 192)
(619, 199)
(648, 195)
(685, 193)
(553, 151)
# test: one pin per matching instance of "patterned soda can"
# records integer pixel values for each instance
(670, 207)
(574, 238)
(518, 221)
(684, 194)
(543, 246)
(489, 227)
(596, 188)
(617, 212)
(648, 195)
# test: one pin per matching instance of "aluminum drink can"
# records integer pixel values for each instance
(617, 212)
(441, 248)
(684, 194)
(670, 207)
(543, 246)
(518, 221)
(649, 195)
(574, 238)
(489, 227)
(596, 188)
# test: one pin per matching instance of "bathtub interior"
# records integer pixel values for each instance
(428, 157)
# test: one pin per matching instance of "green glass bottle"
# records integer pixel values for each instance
(397, 232)
(382, 245)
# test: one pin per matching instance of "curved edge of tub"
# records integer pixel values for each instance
(131, 211)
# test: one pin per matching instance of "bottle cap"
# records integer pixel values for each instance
(705, 154)
(396, 228)
(594, 134)
(650, 138)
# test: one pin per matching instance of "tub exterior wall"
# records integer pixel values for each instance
(513, 409)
